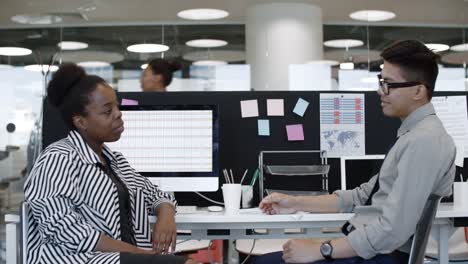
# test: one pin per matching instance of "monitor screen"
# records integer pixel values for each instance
(175, 146)
(356, 170)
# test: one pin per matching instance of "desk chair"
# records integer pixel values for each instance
(423, 230)
(12, 222)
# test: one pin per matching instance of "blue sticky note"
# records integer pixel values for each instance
(263, 127)
(301, 107)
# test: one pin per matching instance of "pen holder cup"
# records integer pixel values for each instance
(247, 196)
(232, 198)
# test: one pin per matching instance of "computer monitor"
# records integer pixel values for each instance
(356, 170)
(175, 146)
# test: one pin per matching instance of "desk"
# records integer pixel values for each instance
(208, 225)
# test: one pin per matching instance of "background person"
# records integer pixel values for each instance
(158, 75)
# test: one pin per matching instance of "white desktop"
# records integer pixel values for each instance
(175, 146)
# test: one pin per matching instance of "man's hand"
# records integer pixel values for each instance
(165, 231)
(277, 203)
(301, 251)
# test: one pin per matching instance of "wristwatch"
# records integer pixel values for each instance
(326, 249)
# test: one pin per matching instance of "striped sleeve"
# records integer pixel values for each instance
(153, 195)
(52, 196)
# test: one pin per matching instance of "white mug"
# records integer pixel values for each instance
(460, 195)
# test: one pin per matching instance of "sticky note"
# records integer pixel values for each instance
(249, 108)
(295, 132)
(301, 107)
(275, 107)
(263, 127)
(129, 102)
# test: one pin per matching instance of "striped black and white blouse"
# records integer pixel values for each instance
(72, 201)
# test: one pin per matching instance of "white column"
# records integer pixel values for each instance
(279, 34)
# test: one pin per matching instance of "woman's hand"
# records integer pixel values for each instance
(164, 230)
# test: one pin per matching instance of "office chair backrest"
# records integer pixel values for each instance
(24, 231)
(423, 230)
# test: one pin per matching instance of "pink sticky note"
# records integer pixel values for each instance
(295, 132)
(275, 107)
(129, 102)
(249, 108)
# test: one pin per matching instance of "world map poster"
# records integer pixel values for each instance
(342, 120)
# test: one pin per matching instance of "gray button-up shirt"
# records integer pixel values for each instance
(420, 163)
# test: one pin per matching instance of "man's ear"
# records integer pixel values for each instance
(80, 122)
(421, 93)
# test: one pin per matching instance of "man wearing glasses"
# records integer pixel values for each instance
(388, 207)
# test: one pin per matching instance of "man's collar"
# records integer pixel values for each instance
(85, 152)
(414, 118)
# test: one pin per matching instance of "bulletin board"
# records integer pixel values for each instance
(239, 141)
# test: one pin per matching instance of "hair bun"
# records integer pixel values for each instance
(67, 76)
(174, 66)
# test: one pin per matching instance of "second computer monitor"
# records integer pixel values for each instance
(175, 146)
(356, 170)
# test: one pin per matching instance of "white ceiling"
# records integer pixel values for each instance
(111, 12)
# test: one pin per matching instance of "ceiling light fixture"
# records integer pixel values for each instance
(72, 45)
(346, 66)
(436, 47)
(372, 15)
(36, 19)
(147, 48)
(40, 68)
(144, 66)
(94, 64)
(460, 47)
(206, 43)
(203, 14)
(14, 51)
(343, 43)
(209, 63)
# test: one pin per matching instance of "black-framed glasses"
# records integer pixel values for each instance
(385, 86)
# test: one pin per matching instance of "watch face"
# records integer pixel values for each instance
(326, 249)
